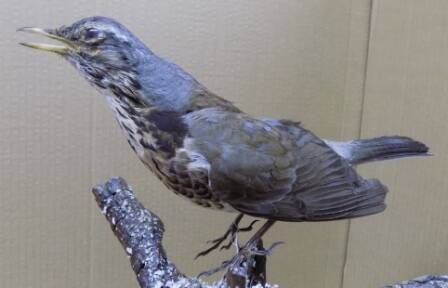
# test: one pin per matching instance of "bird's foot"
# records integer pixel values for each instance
(246, 252)
(231, 233)
(251, 249)
(233, 239)
(268, 251)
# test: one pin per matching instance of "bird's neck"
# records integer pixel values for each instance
(156, 83)
(165, 85)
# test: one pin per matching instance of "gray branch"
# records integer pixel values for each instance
(427, 281)
(140, 232)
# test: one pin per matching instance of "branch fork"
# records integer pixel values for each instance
(140, 232)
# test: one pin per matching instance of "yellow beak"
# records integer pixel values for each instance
(59, 49)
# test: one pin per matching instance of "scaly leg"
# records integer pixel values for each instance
(233, 240)
(250, 248)
(232, 230)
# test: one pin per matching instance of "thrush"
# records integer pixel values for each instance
(207, 150)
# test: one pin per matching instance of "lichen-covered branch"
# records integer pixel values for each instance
(140, 232)
(427, 281)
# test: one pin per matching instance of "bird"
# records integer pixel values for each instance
(207, 150)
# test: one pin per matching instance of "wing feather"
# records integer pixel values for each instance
(250, 160)
(277, 169)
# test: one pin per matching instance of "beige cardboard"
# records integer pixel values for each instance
(304, 60)
(406, 93)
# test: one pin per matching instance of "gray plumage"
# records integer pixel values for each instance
(209, 151)
(378, 149)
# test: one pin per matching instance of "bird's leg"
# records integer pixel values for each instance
(232, 230)
(248, 250)
(233, 239)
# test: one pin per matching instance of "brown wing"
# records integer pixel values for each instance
(250, 160)
(327, 187)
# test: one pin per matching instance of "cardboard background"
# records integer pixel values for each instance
(343, 68)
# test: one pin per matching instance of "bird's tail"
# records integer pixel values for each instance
(381, 148)
(367, 199)
(326, 204)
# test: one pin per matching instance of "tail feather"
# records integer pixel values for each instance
(377, 149)
(365, 200)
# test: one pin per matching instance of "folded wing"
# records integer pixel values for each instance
(250, 161)
(278, 170)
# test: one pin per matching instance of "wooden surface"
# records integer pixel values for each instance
(344, 68)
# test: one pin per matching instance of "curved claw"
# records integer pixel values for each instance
(232, 239)
(248, 228)
(207, 251)
(228, 245)
(268, 251)
(223, 237)
(232, 230)
(212, 271)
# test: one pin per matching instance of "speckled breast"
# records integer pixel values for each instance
(144, 139)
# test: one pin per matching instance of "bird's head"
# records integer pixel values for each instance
(110, 57)
(102, 49)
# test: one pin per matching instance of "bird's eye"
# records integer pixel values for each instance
(92, 34)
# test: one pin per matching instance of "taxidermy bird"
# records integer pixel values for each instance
(205, 149)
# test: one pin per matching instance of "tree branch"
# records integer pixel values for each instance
(426, 281)
(140, 232)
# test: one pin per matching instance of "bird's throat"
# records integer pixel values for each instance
(149, 130)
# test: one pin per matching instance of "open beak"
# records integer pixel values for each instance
(59, 49)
